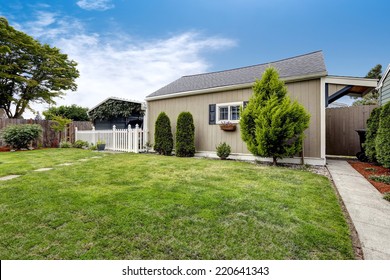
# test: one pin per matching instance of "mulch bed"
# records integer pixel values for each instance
(5, 149)
(373, 169)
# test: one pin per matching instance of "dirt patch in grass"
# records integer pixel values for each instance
(369, 169)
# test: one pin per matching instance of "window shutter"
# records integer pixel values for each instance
(244, 104)
(212, 116)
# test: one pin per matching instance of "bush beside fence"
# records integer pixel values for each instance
(49, 137)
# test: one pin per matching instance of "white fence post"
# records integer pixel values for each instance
(75, 133)
(136, 139)
(114, 137)
(129, 138)
(93, 136)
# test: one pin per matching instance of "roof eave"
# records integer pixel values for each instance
(233, 87)
(380, 84)
(115, 98)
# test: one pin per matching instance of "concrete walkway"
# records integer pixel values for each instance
(369, 212)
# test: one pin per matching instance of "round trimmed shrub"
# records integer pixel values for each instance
(20, 136)
(372, 129)
(163, 137)
(223, 150)
(185, 135)
(80, 144)
(65, 144)
(382, 141)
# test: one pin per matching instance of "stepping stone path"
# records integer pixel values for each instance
(43, 169)
(65, 164)
(9, 177)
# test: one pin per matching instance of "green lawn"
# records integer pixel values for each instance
(135, 206)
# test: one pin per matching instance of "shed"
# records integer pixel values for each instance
(215, 97)
(384, 87)
(119, 112)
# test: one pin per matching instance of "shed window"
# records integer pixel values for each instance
(223, 113)
(228, 112)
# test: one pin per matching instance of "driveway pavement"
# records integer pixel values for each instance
(369, 212)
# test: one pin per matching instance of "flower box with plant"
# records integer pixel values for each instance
(101, 145)
(223, 150)
(227, 126)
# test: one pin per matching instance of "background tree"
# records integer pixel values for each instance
(371, 98)
(73, 112)
(372, 129)
(59, 124)
(185, 135)
(31, 72)
(271, 124)
(382, 140)
(163, 137)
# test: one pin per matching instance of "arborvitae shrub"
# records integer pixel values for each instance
(20, 136)
(382, 140)
(185, 135)
(163, 139)
(272, 125)
(372, 129)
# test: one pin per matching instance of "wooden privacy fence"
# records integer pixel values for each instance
(49, 137)
(124, 140)
(341, 123)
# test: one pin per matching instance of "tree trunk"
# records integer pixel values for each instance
(274, 161)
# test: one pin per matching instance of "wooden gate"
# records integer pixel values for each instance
(341, 123)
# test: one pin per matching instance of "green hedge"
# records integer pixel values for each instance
(20, 136)
(372, 129)
(382, 141)
(163, 137)
(185, 135)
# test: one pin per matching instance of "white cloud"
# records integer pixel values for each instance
(119, 65)
(99, 5)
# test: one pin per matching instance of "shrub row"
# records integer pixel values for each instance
(377, 144)
(185, 135)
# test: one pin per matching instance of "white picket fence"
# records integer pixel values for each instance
(124, 140)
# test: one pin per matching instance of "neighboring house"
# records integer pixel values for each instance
(337, 105)
(213, 98)
(384, 87)
(110, 112)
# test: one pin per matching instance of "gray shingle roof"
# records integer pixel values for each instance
(303, 65)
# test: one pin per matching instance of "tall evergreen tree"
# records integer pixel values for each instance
(271, 124)
(185, 135)
(372, 97)
(163, 137)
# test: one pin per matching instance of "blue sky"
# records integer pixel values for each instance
(130, 48)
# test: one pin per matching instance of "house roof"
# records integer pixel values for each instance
(380, 84)
(307, 65)
(119, 99)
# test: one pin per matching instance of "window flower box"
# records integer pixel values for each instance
(228, 126)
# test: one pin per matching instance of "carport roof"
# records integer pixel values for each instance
(353, 86)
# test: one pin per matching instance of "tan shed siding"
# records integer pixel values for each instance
(207, 137)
